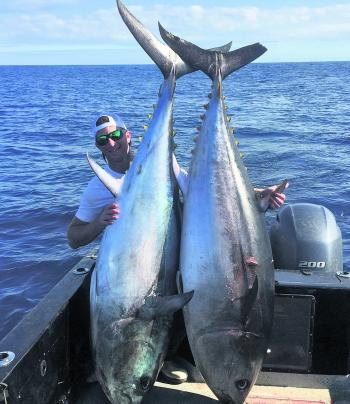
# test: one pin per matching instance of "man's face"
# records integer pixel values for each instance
(115, 150)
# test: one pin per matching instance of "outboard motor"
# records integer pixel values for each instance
(306, 237)
(311, 327)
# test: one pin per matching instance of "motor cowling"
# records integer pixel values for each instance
(306, 237)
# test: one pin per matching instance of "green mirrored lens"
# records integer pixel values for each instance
(116, 135)
(102, 140)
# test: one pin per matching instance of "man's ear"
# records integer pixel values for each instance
(128, 136)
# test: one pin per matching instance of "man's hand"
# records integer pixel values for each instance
(276, 198)
(109, 214)
(81, 233)
(271, 197)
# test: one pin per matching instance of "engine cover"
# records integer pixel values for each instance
(306, 236)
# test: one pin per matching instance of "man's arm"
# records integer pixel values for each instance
(81, 233)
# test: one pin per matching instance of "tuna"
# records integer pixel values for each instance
(133, 289)
(225, 250)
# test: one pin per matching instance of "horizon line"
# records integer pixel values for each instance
(152, 64)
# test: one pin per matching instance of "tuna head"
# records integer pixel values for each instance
(129, 351)
(127, 359)
(229, 364)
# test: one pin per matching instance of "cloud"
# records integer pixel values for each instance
(206, 25)
(256, 22)
(46, 27)
(36, 4)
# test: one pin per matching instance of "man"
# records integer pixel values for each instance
(97, 207)
(98, 210)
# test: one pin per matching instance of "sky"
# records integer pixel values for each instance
(56, 32)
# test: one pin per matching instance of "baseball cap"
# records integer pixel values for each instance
(114, 120)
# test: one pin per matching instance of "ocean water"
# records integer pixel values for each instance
(292, 121)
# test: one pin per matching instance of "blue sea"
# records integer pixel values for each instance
(292, 121)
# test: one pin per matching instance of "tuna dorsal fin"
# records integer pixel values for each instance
(164, 57)
(210, 62)
(108, 181)
(159, 306)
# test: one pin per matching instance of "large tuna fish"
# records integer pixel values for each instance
(225, 250)
(133, 292)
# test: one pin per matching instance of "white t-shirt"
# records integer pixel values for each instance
(96, 196)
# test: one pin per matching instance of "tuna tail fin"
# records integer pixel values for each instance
(161, 54)
(208, 61)
(108, 181)
(160, 306)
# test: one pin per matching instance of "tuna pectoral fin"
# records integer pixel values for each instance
(179, 283)
(263, 197)
(109, 182)
(248, 300)
(163, 305)
(282, 186)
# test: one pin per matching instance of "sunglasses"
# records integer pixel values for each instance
(102, 140)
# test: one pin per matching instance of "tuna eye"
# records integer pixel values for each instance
(242, 384)
(145, 382)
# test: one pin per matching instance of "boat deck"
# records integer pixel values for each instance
(52, 360)
(199, 393)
